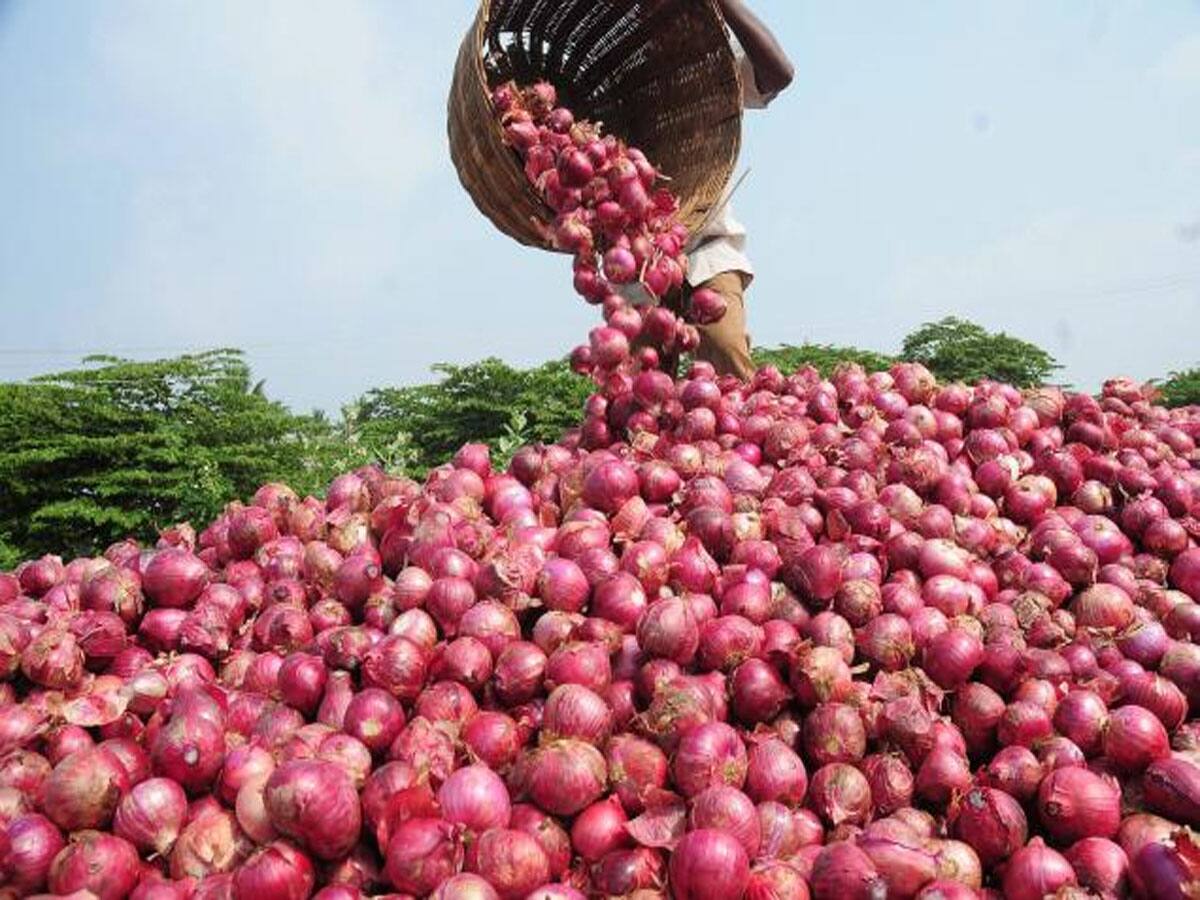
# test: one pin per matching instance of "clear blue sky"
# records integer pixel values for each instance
(273, 175)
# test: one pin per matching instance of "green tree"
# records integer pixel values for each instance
(957, 350)
(488, 401)
(1181, 388)
(824, 357)
(120, 448)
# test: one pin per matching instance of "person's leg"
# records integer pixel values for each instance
(726, 344)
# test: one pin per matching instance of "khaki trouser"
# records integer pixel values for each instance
(725, 344)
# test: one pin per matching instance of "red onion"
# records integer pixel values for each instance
(189, 750)
(574, 711)
(991, 821)
(1074, 803)
(834, 732)
(635, 768)
(465, 886)
(952, 656)
(1171, 787)
(476, 798)
(839, 794)
(84, 789)
(1035, 871)
(563, 777)
(1100, 865)
(302, 681)
(314, 803)
(757, 692)
(1135, 738)
(397, 665)
(31, 844)
(151, 815)
(709, 753)
(943, 772)
(513, 862)
(374, 717)
(600, 829)
(707, 865)
(105, 865)
(843, 872)
(775, 772)
(277, 870)
(421, 855)
(174, 578)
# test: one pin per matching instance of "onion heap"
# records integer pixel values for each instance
(862, 636)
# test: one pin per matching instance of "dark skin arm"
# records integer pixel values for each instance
(773, 70)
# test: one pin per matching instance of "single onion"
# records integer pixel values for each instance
(421, 855)
(32, 842)
(513, 862)
(991, 821)
(103, 864)
(277, 870)
(84, 789)
(1074, 803)
(315, 803)
(475, 798)
(709, 865)
(1035, 871)
(151, 815)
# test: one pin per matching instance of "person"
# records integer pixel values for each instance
(716, 256)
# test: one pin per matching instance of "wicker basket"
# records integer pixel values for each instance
(659, 74)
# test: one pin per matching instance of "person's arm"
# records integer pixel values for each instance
(773, 70)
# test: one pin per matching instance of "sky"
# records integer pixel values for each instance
(274, 175)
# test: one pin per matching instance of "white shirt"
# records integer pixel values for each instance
(720, 246)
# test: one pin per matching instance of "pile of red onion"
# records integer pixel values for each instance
(849, 638)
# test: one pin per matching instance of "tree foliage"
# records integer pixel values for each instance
(957, 350)
(824, 357)
(488, 401)
(1181, 388)
(118, 448)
